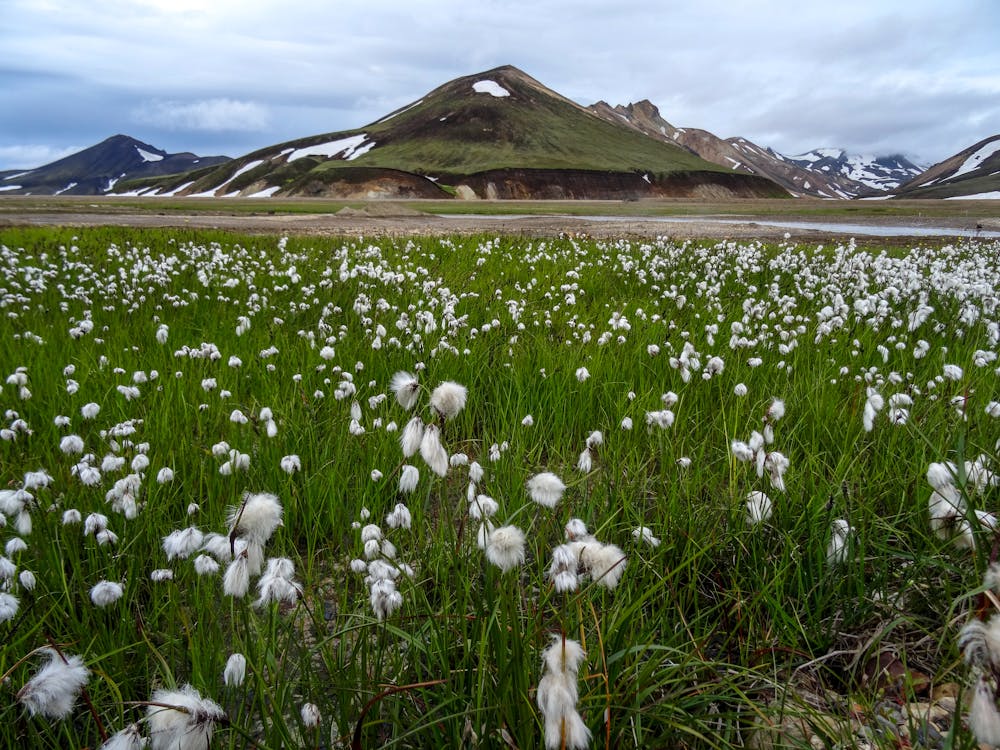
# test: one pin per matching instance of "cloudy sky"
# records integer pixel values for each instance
(920, 77)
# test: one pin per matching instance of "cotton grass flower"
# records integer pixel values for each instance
(105, 593)
(257, 518)
(604, 562)
(984, 719)
(183, 543)
(236, 580)
(71, 444)
(182, 719)
(277, 585)
(838, 547)
(432, 451)
(291, 464)
(759, 508)
(645, 534)
(557, 696)
(235, 671)
(411, 437)
(9, 605)
(406, 388)
(546, 489)
(310, 715)
(449, 398)
(409, 477)
(505, 547)
(54, 688)
(129, 738)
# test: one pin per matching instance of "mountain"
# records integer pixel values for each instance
(824, 173)
(880, 174)
(496, 134)
(96, 170)
(974, 172)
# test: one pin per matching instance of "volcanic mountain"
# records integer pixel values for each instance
(496, 134)
(823, 173)
(974, 172)
(96, 170)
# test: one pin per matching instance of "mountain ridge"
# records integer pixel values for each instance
(816, 173)
(97, 169)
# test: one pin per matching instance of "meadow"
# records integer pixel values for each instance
(489, 492)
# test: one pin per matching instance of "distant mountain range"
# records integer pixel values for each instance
(96, 170)
(823, 173)
(502, 134)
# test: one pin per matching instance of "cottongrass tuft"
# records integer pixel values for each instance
(546, 489)
(605, 563)
(105, 593)
(412, 437)
(449, 398)
(182, 719)
(54, 688)
(235, 671)
(838, 547)
(257, 518)
(505, 547)
(645, 534)
(432, 451)
(984, 719)
(409, 476)
(9, 605)
(557, 696)
(759, 508)
(310, 715)
(406, 387)
(182, 543)
(129, 738)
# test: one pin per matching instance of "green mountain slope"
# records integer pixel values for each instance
(498, 134)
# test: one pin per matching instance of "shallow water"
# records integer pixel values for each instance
(874, 230)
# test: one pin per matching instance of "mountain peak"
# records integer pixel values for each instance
(95, 170)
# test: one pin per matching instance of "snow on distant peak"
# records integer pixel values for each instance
(148, 156)
(490, 87)
(343, 146)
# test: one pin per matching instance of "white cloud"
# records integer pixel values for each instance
(29, 156)
(214, 115)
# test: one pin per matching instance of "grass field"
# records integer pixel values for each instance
(799, 208)
(205, 453)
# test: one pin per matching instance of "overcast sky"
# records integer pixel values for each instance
(921, 77)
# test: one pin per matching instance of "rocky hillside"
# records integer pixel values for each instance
(972, 173)
(96, 170)
(496, 134)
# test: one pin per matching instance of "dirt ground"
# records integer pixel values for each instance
(410, 224)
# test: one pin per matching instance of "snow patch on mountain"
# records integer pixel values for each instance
(148, 155)
(341, 146)
(975, 160)
(490, 87)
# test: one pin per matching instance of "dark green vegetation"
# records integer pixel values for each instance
(712, 638)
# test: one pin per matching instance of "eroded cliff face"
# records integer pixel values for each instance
(544, 184)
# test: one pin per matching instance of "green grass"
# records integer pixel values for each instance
(707, 635)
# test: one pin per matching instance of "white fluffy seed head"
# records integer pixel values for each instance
(505, 547)
(448, 399)
(546, 489)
